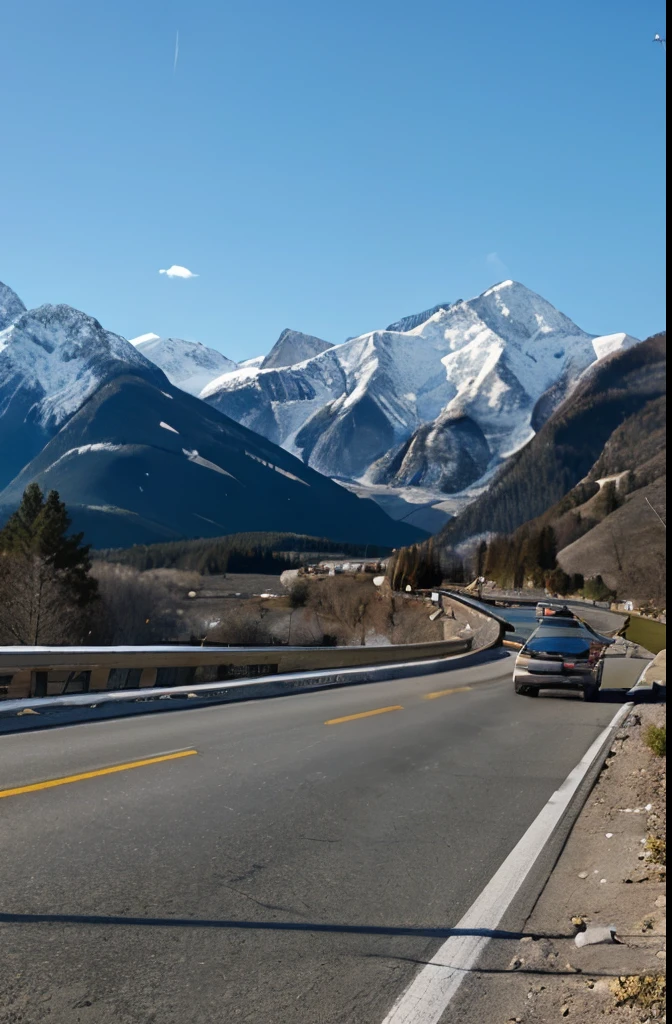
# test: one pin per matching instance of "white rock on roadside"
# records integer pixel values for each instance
(596, 935)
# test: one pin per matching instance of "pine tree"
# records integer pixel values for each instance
(548, 548)
(607, 501)
(46, 590)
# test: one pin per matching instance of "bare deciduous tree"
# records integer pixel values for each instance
(35, 606)
(134, 607)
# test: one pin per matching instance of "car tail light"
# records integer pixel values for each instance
(569, 664)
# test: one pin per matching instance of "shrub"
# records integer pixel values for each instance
(298, 595)
(596, 589)
(656, 850)
(655, 738)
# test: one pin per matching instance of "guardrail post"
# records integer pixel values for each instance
(40, 687)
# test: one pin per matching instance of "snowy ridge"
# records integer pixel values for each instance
(255, 361)
(60, 356)
(188, 365)
(610, 343)
(407, 323)
(438, 404)
(100, 446)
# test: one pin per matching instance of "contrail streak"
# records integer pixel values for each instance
(177, 51)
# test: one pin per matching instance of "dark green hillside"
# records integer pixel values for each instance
(139, 464)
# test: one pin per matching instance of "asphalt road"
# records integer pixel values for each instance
(524, 621)
(289, 870)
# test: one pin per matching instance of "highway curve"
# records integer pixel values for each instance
(289, 870)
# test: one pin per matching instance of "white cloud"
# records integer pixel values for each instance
(493, 260)
(176, 271)
(143, 337)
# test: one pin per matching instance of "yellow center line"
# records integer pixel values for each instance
(50, 783)
(363, 714)
(444, 693)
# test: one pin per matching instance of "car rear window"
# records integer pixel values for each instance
(576, 645)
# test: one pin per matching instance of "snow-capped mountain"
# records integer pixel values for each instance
(10, 306)
(437, 404)
(193, 367)
(51, 360)
(293, 347)
(188, 365)
(142, 461)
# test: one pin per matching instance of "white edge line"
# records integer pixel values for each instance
(427, 997)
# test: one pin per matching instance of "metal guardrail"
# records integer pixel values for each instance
(241, 689)
(470, 602)
(25, 666)
(276, 668)
(46, 658)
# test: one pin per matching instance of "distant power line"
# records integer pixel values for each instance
(654, 512)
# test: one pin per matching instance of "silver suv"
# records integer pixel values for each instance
(560, 659)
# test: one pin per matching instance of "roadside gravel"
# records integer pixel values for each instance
(611, 872)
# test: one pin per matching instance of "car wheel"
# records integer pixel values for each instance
(533, 691)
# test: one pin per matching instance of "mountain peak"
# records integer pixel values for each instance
(505, 284)
(60, 355)
(294, 347)
(62, 334)
(11, 305)
(474, 369)
(189, 365)
(52, 359)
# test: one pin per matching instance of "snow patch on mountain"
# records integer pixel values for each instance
(193, 456)
(188, 365)
(610, 343)
(278, 469)
(255, 361)
(84, 449)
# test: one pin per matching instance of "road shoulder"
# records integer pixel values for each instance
(606, 875)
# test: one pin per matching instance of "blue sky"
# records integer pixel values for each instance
(331, 167)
